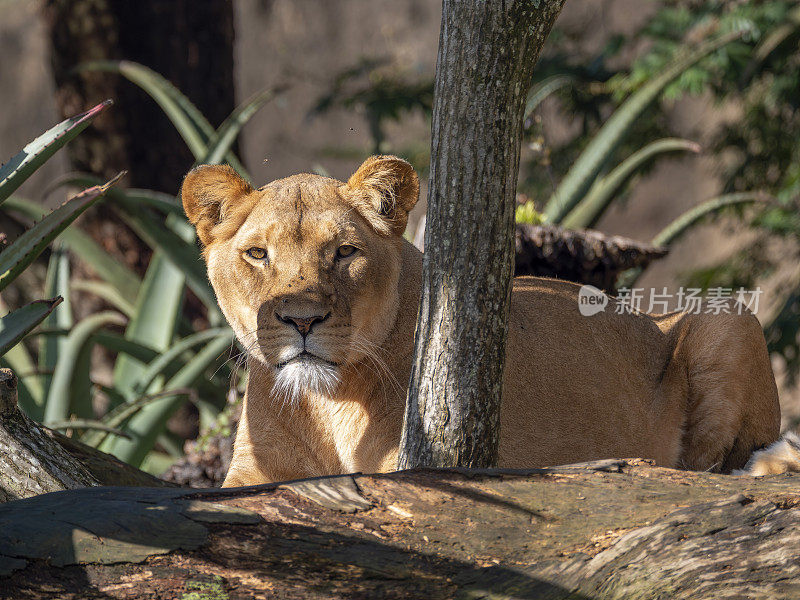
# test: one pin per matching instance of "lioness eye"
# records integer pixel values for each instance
(257, 253)
(345, 251)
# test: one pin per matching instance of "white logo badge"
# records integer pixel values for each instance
(591, 300)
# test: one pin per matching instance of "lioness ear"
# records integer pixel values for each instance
(384, 189)
(207, 192)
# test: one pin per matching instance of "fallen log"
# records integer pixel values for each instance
(583, 256)
(609, 529)
(36, 460)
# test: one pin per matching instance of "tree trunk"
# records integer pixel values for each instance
(487, 51)
(612, 529)
(189, 43)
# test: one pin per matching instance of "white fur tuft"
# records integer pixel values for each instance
(782, 456)
(305, 376)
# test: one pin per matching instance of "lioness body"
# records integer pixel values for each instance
(328, 316)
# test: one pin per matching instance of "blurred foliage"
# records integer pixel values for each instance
(758, 79)
(381, 93)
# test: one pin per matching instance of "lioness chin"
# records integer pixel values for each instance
(322, 290)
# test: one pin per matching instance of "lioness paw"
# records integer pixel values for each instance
(782, 456)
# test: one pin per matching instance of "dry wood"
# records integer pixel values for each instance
(609, 529)
(585, 256)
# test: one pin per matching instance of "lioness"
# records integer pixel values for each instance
(322, 291)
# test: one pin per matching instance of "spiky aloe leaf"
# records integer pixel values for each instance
(151, 420)
(35, 154)
(105, 291)
(684, 222)
(687, 220)
(176, 248)
(165, 203)
(110, 270)
(118, 343)
(583, 172)
(18, 323)
(66, 389)
(604, 190)
(27, 247)
(220, 142)
(190, 123)
(153, 323)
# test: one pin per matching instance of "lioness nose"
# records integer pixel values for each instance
(303, 324)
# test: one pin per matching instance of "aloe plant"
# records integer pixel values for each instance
(583, 173)
(158, 358)
(19, 255)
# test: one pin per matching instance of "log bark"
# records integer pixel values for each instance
(612, 529)
(487, 51)
(35, 460)
(584, 256)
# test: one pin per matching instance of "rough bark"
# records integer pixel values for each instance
(487, 51)
(612, 529)
(35, 460)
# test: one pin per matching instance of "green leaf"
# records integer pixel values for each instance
(190, 123)
(142, 352)
(153, 323)
(542, 90)
(219, 144)
(67, 389)
(56, 284)
(171, 356)
(18, 323)
(770, 43)
(183, 254)
(14, 173)
(586, 168)
(602, 193)
(165, 203)
(151, 420)
(85, 248)
(27, 247)
(106, 292)
(688, 219)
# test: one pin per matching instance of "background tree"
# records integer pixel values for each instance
(487, 52)
(189, 43)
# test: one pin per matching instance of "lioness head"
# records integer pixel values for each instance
(305, 268)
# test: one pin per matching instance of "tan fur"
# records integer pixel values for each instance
(690, 391)
(781, 457)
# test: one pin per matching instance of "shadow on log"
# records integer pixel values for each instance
(608, 529)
